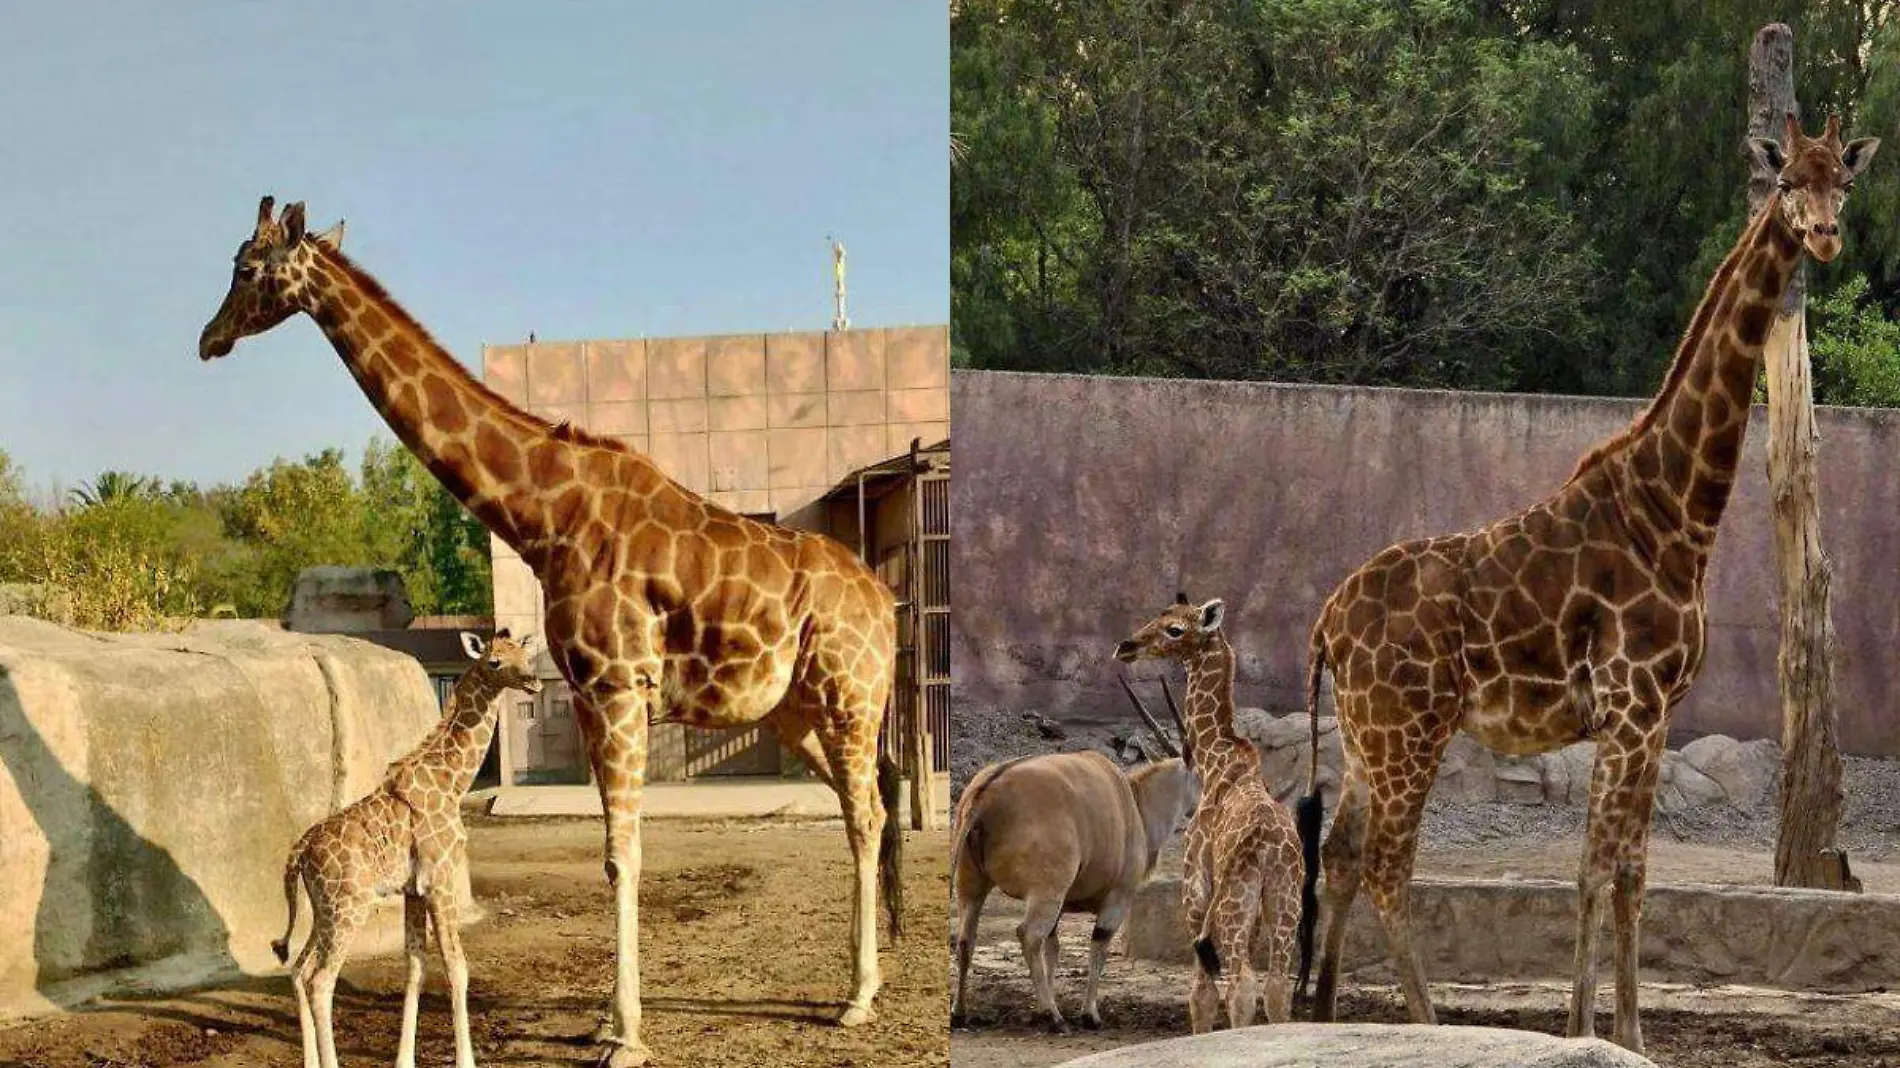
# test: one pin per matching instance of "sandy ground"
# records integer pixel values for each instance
(1686, 1027)
(743, 961)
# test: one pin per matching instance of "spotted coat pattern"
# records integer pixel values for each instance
(1580, 618)
(406, 837)
(660, 604)
(1242, 866)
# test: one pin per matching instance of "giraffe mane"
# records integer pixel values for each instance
(565, 430)
(1679, 363)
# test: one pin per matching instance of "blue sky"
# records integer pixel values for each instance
(578, 170)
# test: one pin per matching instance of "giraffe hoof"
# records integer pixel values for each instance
(1058, 1026)
(1091, 1023)
(604, 1034)
(857, 1016)
(633, 1055)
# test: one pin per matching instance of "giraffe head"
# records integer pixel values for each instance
(1813, 175)
(1179, 632)
(505, 661)
(270, 278)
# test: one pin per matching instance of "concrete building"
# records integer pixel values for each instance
(808, 429)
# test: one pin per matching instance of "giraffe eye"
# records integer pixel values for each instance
(494, 662)
(1783, 184)
(1176, 631)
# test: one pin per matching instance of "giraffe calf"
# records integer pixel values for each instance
(405, 838)
(1067, 832)
(1247, 887)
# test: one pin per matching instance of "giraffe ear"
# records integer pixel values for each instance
(332, 238)
(1180, 598)
(472, 645)
(1766, 153)
(264, 209)
(292, 222)
(1858, 154)
(1212, 613)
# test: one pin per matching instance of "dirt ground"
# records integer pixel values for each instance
(1685, 1027)
(743, 960)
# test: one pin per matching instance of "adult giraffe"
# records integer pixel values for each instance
(1578, 618)
(657, 600)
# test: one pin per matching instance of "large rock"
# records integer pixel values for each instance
(341, 600)
(1748, 772)
(1479, 930)
(151, 784)
(1366, 1046)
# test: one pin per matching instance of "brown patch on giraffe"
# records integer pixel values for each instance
(444, 407)
(1752, 324)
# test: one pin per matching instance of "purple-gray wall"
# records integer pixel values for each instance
(1082, 504)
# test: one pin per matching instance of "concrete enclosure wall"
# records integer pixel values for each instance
(1085, 503)
(151, 785)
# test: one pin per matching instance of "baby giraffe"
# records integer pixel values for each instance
(406, 837)
(1244, 880)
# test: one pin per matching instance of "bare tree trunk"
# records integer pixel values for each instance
(1805, 853)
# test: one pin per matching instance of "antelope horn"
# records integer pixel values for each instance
(1187, 738)
(1148, 717)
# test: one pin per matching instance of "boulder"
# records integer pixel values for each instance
(1681, 787)
(1367, 1045)
(151, 784)
(342, 600)
(1747, 772)
(1467, 772)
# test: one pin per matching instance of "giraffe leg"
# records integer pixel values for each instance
(1107, 922)
(972, 888)
(1203, 1003)
(300, 988)
(1343, 857)
(1037, 927)
(797, 736)
(448, 941)
(1622, 790)
(1234, 914)
(326, 964)
(621, 744)
(1275, 940)
(852, 755)
(1390, 848)
(415, 936)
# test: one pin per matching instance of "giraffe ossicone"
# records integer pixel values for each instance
(1579, 618)
(657, 599)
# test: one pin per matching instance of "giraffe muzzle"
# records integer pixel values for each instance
(1127, 651)
(211, 348)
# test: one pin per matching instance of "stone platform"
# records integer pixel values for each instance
(1479, 930)
(1367, 1045)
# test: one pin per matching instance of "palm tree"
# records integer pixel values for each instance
(115, 486)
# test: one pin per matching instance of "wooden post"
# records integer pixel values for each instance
(1805, 853)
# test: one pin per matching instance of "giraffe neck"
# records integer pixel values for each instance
(1681, 457)
(1218, 749)
(460, 740)
(502, 463)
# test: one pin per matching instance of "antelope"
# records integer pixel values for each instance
(1063, 832)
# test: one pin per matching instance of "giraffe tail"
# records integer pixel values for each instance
(1309, 814)
(293, 874)
(890, 849)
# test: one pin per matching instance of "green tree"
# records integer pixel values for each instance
(113, 486)
(418, 527)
